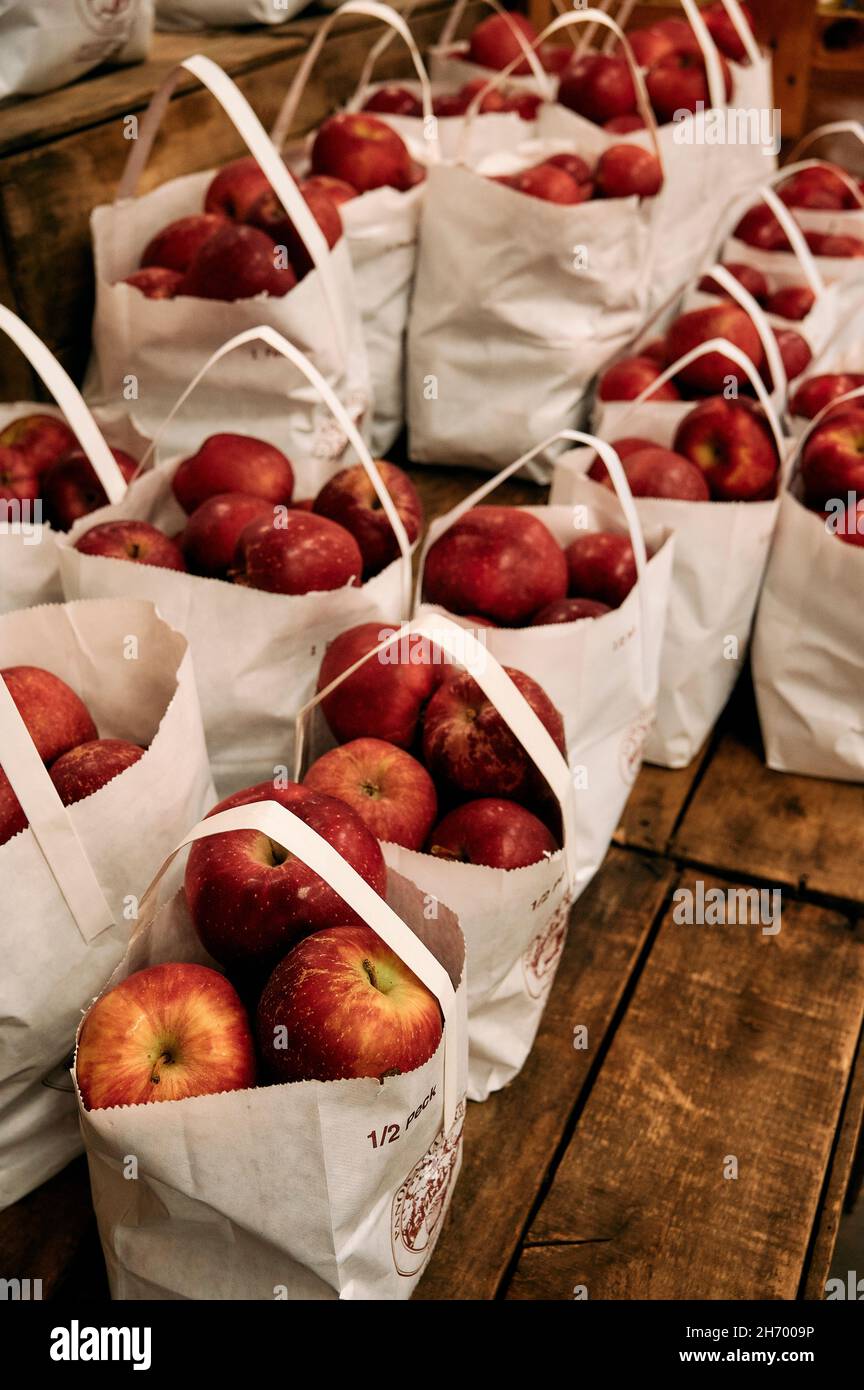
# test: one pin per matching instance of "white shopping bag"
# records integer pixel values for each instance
(29, 566)
(256, 654)
(602, 673)
(72, 879)
(214, 14)
(842, 352)
(848, 221)
(514, 920)
(808, 645)
(721, 549)
(380, 229)
(46, 43)
(518, 303)
(305, 1190)
(143, 347)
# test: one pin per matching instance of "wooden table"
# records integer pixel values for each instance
(609, 1170)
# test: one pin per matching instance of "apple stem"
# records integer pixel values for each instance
(370, 971)
(155, 1077)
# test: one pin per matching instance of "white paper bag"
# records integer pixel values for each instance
(380, 229)
(46, 43)
(514, 920)
(517, 304)
(71, 881)
(143, 347)
(215, 14)
(848, 221)
(721, 549)
(306, 1190)
(256, 654)
(29, 566)
(842, 352)
(808, 646)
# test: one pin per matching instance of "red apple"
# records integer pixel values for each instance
(633, 444)
(176, 246)
(494, 42)
(449, 104)
(155, 282)
(467, 744)
(723, 31)
(731, 442)
(493, 101)
(391, 792)
(651, 44)
(384, 697)
(760, 228)
(711, 372)
(832, 464)
(598, 87)
(821, 187)
(303, 504)
(601, 565)
(791, 302)
(337, 190)
(165, 1033)
(251, 900)
(525, 104)
(42, 439)
(365, 152)
(18, 477)
(233, 463)
(656, 350)
(678, 33)
(342, 1004)
(132, 540)
(818, 391)
(679, 82)
(500, 834)
(657, 472)
(554, 57)
(841, 247)
(350, 499)
(747, 275)
(496, 561)
(88, 766)
(624, 125)
(298, 553)
(56, 718)
(627, 379)
(395, 101)
(569, 610)
(238, 263)
(627, 171)
(269, 215)
(210, 538)
(572, 164)
(550, 184)
(234, 189)
(71, 488)
(12, 817)
(795, 352)
(849, 527)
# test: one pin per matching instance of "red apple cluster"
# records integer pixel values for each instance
(822, 187)
(244, 527)
(40, 459)
(832, 463)
(494, 44)
(417, 737)
(399, 101)
(623, 171)
(79, 762)
(759, 227)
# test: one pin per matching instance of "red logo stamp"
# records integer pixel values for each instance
(107, 16)
(541, 959)
(420, 1202)
(633, 745)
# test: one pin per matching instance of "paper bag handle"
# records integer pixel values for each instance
(713, 67)
(296, 837)
(259, 145)
(622, 492)
(529, 53)
(265, 334)
(493, 680)
(397, 25)
(70, 401)
(51, 823)
(756, 315)
(845, 127)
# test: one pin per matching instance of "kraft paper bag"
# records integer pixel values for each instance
(70, 895)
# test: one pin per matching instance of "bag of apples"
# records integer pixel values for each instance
(47, 43)
(838, 369)
(821, 195)
(377, 179)
(102, 761)
(808, 648)
(331, 1177)
(482, 818)
(50, 475)
(504, 39)
(711, 473)
(518, 255)
(207, 274)
(759, 238)
(600, 109)
(257, 577)
(569, 596)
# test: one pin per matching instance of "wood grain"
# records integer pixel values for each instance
(734, 1043)
(512, 1138)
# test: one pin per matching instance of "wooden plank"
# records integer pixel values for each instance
(653, 808)
(41, 1235)
(841, 1175)
(442, 487)
(512, 1138)
(734, 1043)
(800, 831)
(47, 192)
